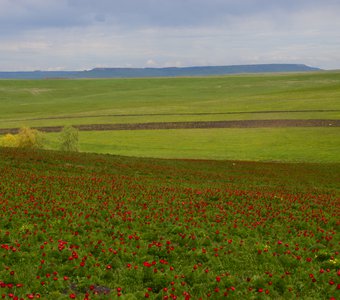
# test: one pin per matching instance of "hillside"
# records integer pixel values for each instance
(216, 117)
(160, 72)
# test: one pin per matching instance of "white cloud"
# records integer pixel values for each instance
(151, 63)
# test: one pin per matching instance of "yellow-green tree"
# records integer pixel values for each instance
(29, 138)
(26, 138)
(9, 140)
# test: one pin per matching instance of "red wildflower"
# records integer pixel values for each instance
(147, 264)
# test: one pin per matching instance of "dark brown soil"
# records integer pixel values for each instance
(191, 125)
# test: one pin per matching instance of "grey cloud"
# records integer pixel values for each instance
(182, 13)
(80, 34)
(173, 13)
(27, 14)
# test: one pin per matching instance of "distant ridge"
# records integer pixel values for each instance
(160, 72)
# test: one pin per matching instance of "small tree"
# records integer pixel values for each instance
(9, 140)
(29, 138)
(69, 139)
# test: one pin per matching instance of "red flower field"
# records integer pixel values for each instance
(84, 226)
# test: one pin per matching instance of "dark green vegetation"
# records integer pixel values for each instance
(85, 225)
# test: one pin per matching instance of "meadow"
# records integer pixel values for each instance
(89, 226)
(310, 95)
(60, 102)
(256, 144)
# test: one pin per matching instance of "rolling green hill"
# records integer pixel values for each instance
(302, 96)
(235, 97)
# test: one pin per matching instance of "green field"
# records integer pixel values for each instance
(238, 97)
(258, 144)
(23, 99)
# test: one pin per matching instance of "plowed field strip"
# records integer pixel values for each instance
(191, 125)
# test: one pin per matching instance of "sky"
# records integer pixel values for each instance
(85, 34)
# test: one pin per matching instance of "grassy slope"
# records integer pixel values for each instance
(263, 144)
(21, 100)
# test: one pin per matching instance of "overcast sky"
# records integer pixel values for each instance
(83, 34)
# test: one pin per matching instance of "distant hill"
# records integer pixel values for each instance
(160, 72)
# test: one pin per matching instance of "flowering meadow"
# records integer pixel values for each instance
(85, 226)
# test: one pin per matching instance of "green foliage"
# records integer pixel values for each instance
(69, 139)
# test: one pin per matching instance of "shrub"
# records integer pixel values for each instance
(69, 139)
(29, 138)
(9, 140)
(26, 138)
